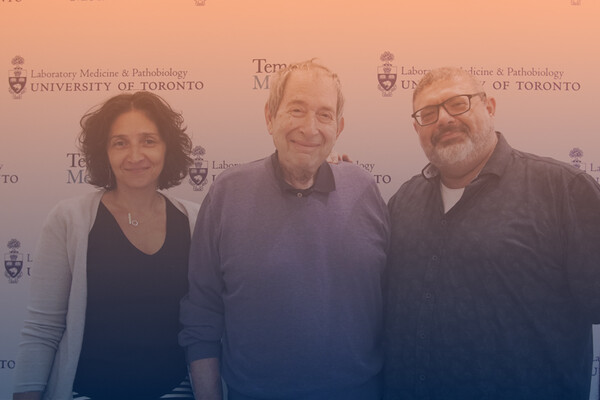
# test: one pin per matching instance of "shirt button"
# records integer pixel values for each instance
(434, 258)
(427, 296)
(421, 335)
(299, 194)
(444, 222)
(422, 377)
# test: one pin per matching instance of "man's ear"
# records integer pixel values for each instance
(268, 118)
(491, 106)
(340, 128)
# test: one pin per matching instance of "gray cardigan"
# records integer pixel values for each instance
(53, 332)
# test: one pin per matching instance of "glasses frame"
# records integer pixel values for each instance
(443, 104)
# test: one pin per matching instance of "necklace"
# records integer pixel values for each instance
(133, 222)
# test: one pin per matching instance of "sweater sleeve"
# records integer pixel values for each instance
(46, 314)
(201, 311)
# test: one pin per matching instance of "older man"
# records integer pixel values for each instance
(287, 260)
(494, 268)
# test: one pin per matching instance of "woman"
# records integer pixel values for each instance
(111, 266)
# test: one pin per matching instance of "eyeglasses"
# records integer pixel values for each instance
(455, 105)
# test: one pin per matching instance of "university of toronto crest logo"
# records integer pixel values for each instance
(576, 154)
(198, 173)
(17, 78)
(13, 261)
(387, 74)
(589, 167)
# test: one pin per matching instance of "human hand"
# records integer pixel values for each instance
(335, 158)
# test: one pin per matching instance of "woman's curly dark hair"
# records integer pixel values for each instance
(96, 125)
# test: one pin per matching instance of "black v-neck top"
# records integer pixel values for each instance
(130, 347)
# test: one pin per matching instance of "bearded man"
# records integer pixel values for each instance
(493, 276)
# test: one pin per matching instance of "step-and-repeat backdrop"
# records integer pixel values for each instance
(213, 61)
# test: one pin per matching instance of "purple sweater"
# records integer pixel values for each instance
(286, 289)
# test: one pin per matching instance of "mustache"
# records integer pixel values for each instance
(436, 136)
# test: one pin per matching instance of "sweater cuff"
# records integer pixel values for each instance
(204, 349)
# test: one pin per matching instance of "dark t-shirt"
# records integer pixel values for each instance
(130, 347)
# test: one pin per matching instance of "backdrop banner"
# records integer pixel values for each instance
(213, 60)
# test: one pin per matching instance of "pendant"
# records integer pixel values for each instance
(132, 221)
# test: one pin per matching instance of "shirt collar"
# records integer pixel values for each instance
(495, 165)
(324, 181)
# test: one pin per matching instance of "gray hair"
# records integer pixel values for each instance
(277, 88)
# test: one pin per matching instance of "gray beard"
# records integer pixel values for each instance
(461, 154)
(453, 155)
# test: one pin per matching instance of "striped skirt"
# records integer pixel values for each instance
(181, 391)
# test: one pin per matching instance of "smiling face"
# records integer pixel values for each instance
(136, 151)
(305, 126)
(460, 142)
